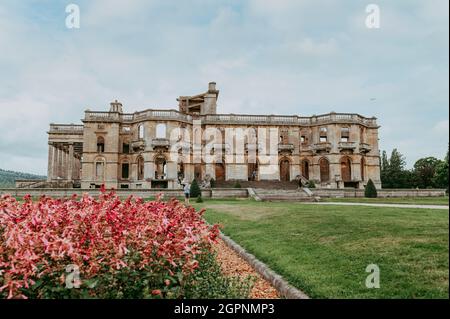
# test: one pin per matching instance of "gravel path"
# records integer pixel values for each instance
(234, 265)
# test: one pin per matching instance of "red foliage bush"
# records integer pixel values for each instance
(103, 236)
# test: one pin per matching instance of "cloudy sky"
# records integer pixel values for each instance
(267, 56)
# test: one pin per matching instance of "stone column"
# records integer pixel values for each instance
(50, 162)
(61, 161)
(71, 162)
(58, 163)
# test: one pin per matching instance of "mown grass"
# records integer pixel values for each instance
(324, 250)
(443, 200)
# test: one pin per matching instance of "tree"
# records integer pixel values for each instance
(385, 180)
(370, 191)
(195, 189)
(397, 175)
(425, 170)
(440, 178)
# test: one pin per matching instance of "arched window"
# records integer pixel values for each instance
(125, 170)
(161, 130)
(161, 167)
(305, 168)
(100, 144)
(346, 169)
(324, 170)
(140, 167)
(141, 132)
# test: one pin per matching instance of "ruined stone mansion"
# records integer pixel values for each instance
(157, 148)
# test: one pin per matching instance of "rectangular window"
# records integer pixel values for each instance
(125, 170)
(323, 136)
(126, 148)
(345, 134)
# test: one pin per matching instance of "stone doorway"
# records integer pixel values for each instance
(220, 172)
(346, 170)
(305, 169)
(285, 175)
(252, 172)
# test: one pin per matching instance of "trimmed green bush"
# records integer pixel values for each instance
(237, 185)
(199, 199)
(311, 184)
(212, 182)
(370, 190)
(195, 189)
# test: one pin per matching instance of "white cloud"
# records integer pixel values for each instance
(441, 128)
(280, 56)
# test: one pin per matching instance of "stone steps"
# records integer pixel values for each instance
(298, 195)
(272, 185)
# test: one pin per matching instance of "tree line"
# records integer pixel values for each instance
(428, 172)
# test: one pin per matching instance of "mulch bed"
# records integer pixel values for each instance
(234, 265)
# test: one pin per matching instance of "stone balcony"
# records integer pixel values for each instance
(364, 148)
(306, 148)
(347, 146)
(138, 145)
(285, 147)
(322, 147)
(160, 142)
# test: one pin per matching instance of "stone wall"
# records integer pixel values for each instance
(219, 192)
(382, 193)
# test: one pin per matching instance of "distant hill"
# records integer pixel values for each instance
(8, 178)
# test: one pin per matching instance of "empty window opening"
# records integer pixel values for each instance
(100, 144)
(141, 132)
(345, 134)
(125, 170)
(323, 135)
(161, 130)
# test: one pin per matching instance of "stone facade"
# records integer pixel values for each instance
(163, 148)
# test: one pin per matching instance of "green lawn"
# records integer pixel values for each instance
(401, 200)
(324, 250)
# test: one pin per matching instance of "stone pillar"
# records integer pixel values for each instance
(50, 162)
(71, 162)
(58, 162)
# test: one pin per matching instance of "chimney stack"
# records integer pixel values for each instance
(212, 87)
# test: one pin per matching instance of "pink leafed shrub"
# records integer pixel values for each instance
(128, 248)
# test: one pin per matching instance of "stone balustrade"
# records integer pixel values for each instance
(347, 146)
(322, 147)
(66, 129)
(231, 118)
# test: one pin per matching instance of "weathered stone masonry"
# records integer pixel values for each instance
(124, 150)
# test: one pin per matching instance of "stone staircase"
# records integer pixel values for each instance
(291, 195)
(279, 185)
